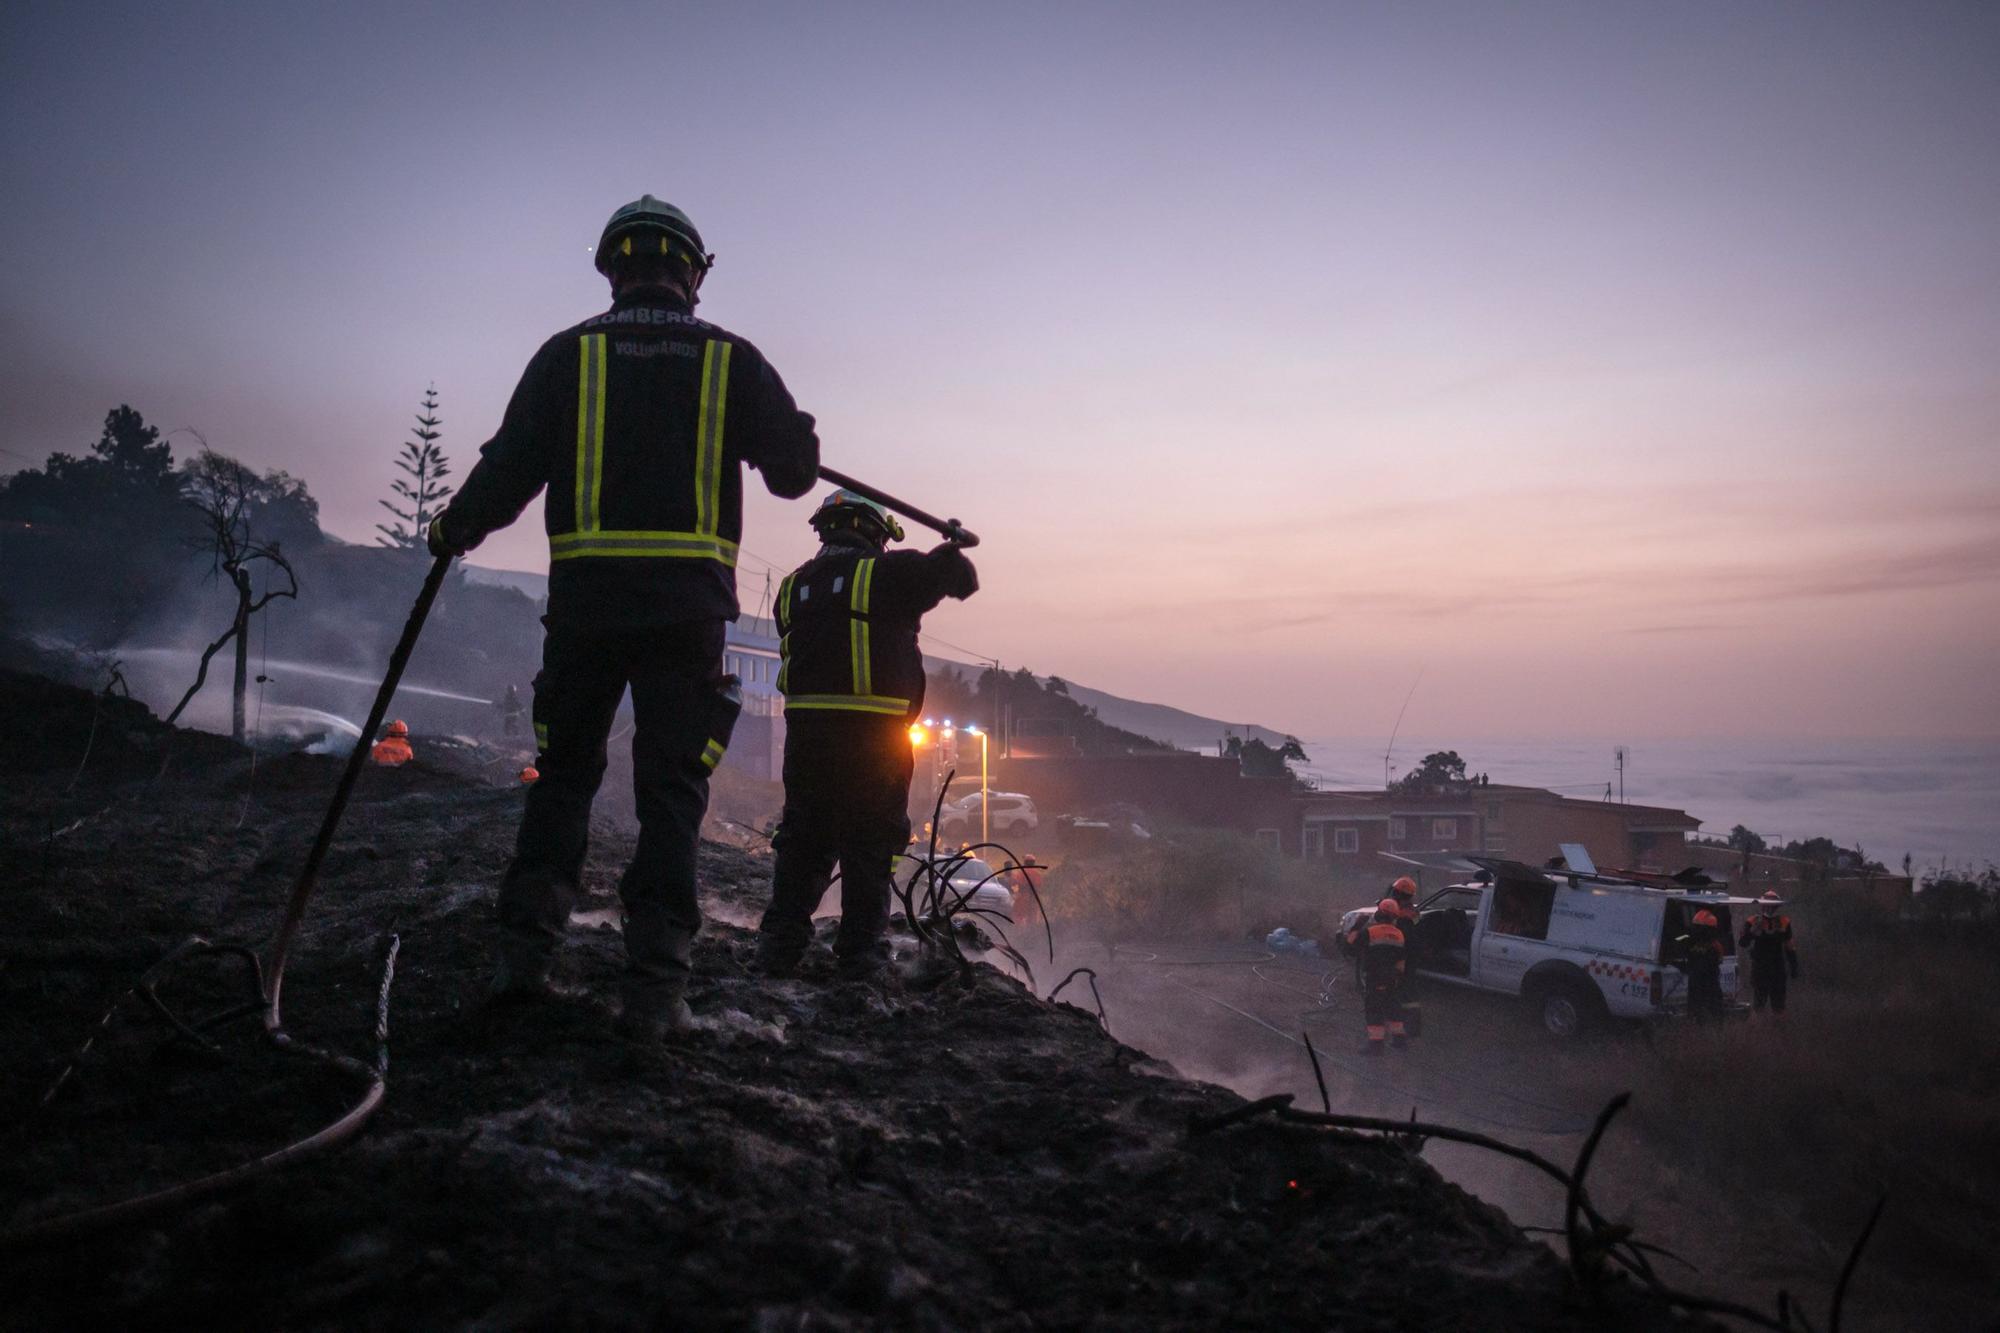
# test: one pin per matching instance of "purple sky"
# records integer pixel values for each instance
(1630, 369)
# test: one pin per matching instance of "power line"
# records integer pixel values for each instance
(959, 648)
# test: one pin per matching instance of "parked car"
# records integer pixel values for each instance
(970, 876)
(1012, 813)
(1575, 947)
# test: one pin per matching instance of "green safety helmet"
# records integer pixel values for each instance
(649, 225)
(846, 511)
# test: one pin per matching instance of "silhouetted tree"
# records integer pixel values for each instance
(1947, 894)
(1440, 769)
(1260, 759)
(227, 495)
(422, 489)
(1743, 840)
(128, 466)
(950, 694)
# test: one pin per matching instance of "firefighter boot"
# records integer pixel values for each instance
(864, 964)
(653, 1017)
(521, 969)
(778, 961)
(656, 976)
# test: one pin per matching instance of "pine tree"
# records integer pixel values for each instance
(422, 489)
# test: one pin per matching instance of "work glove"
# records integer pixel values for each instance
(960, 579)
(434, 538)
(1792, 962)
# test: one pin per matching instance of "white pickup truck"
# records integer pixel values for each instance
(1578, 947)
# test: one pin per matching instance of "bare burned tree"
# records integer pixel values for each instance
(224, 492)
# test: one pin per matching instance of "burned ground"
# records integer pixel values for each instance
(928, 1152)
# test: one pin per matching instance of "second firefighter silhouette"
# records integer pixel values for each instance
(1380, 943)
(853, 681)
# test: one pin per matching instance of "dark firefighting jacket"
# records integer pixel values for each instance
(1769, 940)
(1382, 948)
(847, 627)
(638, 422)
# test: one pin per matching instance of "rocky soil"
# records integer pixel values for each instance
(931, 1151)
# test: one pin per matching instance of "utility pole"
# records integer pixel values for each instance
(1619, 756)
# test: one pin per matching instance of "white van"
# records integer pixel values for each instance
(1578, 947)
(1013, 812)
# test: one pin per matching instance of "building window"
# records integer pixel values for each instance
(1269, 838)
(1493, 811)
(1398, 830)
(1444, 830)
(1347, 840)
(1312, 843)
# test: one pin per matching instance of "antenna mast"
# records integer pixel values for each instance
(1388, 749)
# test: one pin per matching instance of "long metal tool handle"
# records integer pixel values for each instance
(274, 968)
(953, 530)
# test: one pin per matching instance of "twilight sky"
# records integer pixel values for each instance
(1633, 370)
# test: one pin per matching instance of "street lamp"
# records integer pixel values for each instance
(985, 797)
(921, 734)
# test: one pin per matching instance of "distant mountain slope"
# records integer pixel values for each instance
(1161, 722)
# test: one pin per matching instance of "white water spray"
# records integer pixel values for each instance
(327, 673)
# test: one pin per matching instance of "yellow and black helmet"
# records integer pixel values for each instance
(652, 226)
(845, 511)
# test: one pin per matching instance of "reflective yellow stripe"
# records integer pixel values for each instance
(597, 441)
(542, 734)
(708, 436)
(849, 703)
(864, 580)
(589, 430)
(712, 753)
(664, 545)
(864, 668)
(784, 602)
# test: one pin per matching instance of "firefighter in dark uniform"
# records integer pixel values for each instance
(853, 681)
(1774, 960)
(1380, 945)
(638, 422)
(1706, 947)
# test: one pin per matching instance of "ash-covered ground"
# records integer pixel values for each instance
(926, 1152)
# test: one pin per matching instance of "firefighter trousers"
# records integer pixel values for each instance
(1382, 1007)
(683, 713)
(1767, 985)
(1705, 999)
(847, 792)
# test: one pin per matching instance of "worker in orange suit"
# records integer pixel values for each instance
(1404, 894)
(394, 747)
(1774, 958)
(1380, 945)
